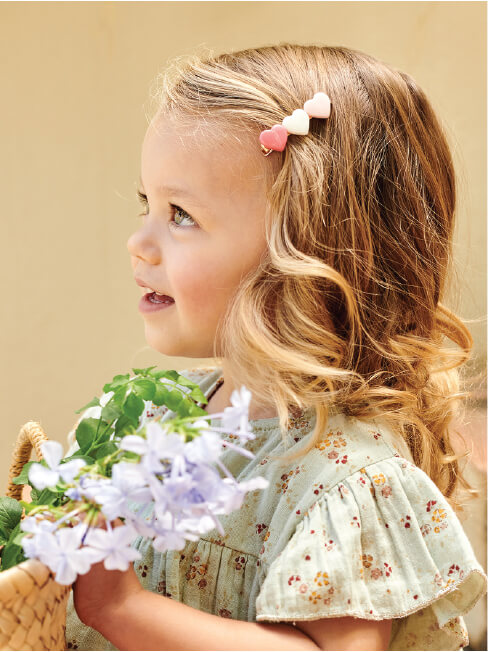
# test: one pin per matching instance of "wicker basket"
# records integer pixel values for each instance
(32, 603)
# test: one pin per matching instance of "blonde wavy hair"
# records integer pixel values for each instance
(344, 312)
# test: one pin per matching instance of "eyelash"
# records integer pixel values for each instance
(143, 200)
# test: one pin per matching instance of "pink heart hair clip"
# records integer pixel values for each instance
(274, 139)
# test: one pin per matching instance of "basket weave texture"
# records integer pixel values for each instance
(32, 603)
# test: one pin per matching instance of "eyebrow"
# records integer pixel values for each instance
(177, 191)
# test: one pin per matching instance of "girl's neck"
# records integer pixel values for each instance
(220, 399)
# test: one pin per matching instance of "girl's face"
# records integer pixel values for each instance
(202, 233)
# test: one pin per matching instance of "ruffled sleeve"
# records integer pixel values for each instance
(382, 543)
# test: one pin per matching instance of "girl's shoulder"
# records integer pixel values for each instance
(349, 466)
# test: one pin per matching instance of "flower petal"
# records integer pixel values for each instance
(70, 469)
(65, 573)
(119, 559)
(52, 452)
(41, 477)
(133, 443)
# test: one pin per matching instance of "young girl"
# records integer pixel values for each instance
(310, 260)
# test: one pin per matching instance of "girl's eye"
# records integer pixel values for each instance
(176, 210)
(143, 200)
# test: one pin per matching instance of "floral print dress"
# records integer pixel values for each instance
(353, 528)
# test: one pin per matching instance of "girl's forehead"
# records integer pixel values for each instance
(200, 146)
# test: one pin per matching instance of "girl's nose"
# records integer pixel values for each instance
(141, 245)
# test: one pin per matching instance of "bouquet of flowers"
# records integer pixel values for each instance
(122, 467)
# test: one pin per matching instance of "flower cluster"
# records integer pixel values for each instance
(165, 481)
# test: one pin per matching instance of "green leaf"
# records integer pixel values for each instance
(35, 494)
(105, 449)
(93, 402)
(195, 411)
(119, 396)
(12, 554)
(23, 477)
(129, 455)
(166, 373)
(197, 394)
(103, 437)
(159, 397)
(111, 411)
(143, 372)
(78, 456)
(184, 408)
(163, 397)
(144, 388)
(10, 515)
(120, 379)
(46, 497)
(186, 382)
(17, 540)
(28, 507)
(133, 407)
(125, 426)
(86, 432)
(173, 399)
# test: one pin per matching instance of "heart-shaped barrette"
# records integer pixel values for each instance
(274, 139)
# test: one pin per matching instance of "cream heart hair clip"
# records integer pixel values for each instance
(274, 139)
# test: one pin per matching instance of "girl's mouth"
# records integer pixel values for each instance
(152, 301)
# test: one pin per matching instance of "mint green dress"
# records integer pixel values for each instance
(353, 528)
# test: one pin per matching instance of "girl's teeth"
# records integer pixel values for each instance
(160, 298)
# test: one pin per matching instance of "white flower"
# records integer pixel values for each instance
(52, 452)
(158, 445)
(74, 493)
(36, 525)
(204, 449)
(95, 412)
(113, 545)
(31, 546)
(171, 533)
(61, 552)
(87, 487)
(235, 418)
(127, 483)
(178, 480)
(141, 525)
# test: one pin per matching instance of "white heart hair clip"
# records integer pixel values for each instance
(274, 139)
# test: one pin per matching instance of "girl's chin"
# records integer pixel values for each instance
(163, 341)
(165, 346)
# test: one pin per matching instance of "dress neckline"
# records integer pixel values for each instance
(267, 422)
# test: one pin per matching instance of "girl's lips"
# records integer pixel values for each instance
(149, 303)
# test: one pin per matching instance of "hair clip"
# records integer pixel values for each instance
(274, 139)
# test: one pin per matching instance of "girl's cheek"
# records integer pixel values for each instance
(205, 290)
(192, 281)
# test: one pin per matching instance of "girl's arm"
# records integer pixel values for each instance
(115, 604)
(348, 633)
(148, 621)
(26, 493)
